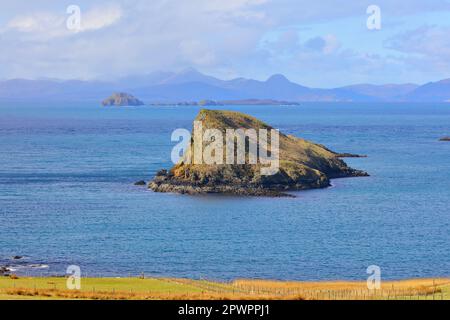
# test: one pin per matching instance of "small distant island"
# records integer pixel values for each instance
(205, 103)
(122, 99)
(302, 165)
(445, 139)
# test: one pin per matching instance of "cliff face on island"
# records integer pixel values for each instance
(122, 99)
(302, 165)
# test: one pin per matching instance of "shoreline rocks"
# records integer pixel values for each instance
(444, 139)
(4, 271)
(303, 165)
(350, 155)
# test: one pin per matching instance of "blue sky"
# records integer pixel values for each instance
(315, 43)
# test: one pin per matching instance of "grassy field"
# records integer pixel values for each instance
(169, 289)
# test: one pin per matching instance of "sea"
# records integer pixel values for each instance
(67, 196)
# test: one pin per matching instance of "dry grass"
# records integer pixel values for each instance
(348, 290)
(243, 289)
(108, 295)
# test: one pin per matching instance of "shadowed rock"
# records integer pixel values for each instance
(303, 165)
(350, 155)
(4, 271)
(445, 139)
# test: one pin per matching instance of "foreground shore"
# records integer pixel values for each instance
(186, 289)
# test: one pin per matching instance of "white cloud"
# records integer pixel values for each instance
(426, 49)
(426, 40)
(232, 37)
(307, 11)
(331, 44)
(100, 17)
(198, 53)
(38, 23)
(47, 25)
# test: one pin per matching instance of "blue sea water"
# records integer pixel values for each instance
(67, 196)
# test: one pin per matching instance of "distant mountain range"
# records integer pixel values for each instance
(191, 85)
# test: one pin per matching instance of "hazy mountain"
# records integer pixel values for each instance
(280, 88)
(387, 92)
(276, 87)
(191, 75)
(433, 91)
(188, 91)
(191, 85)
(144, 80)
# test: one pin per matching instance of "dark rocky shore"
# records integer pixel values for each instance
(4, 271)
(445, 139)
(350, 155)
(303, 165)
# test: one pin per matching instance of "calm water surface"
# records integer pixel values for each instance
(67, 196)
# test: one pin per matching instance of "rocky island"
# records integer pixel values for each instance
(246, 102)
(259, 102)
(122, 99)
(445, 139)
(302, 165)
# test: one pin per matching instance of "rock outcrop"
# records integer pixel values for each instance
(350, 155)
(302, 165)
(122, 99)
(445, 139)
(4, 271)
(140, 183)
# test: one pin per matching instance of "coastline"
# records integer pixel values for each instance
(142, 288)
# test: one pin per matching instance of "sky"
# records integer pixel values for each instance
(315, 43)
